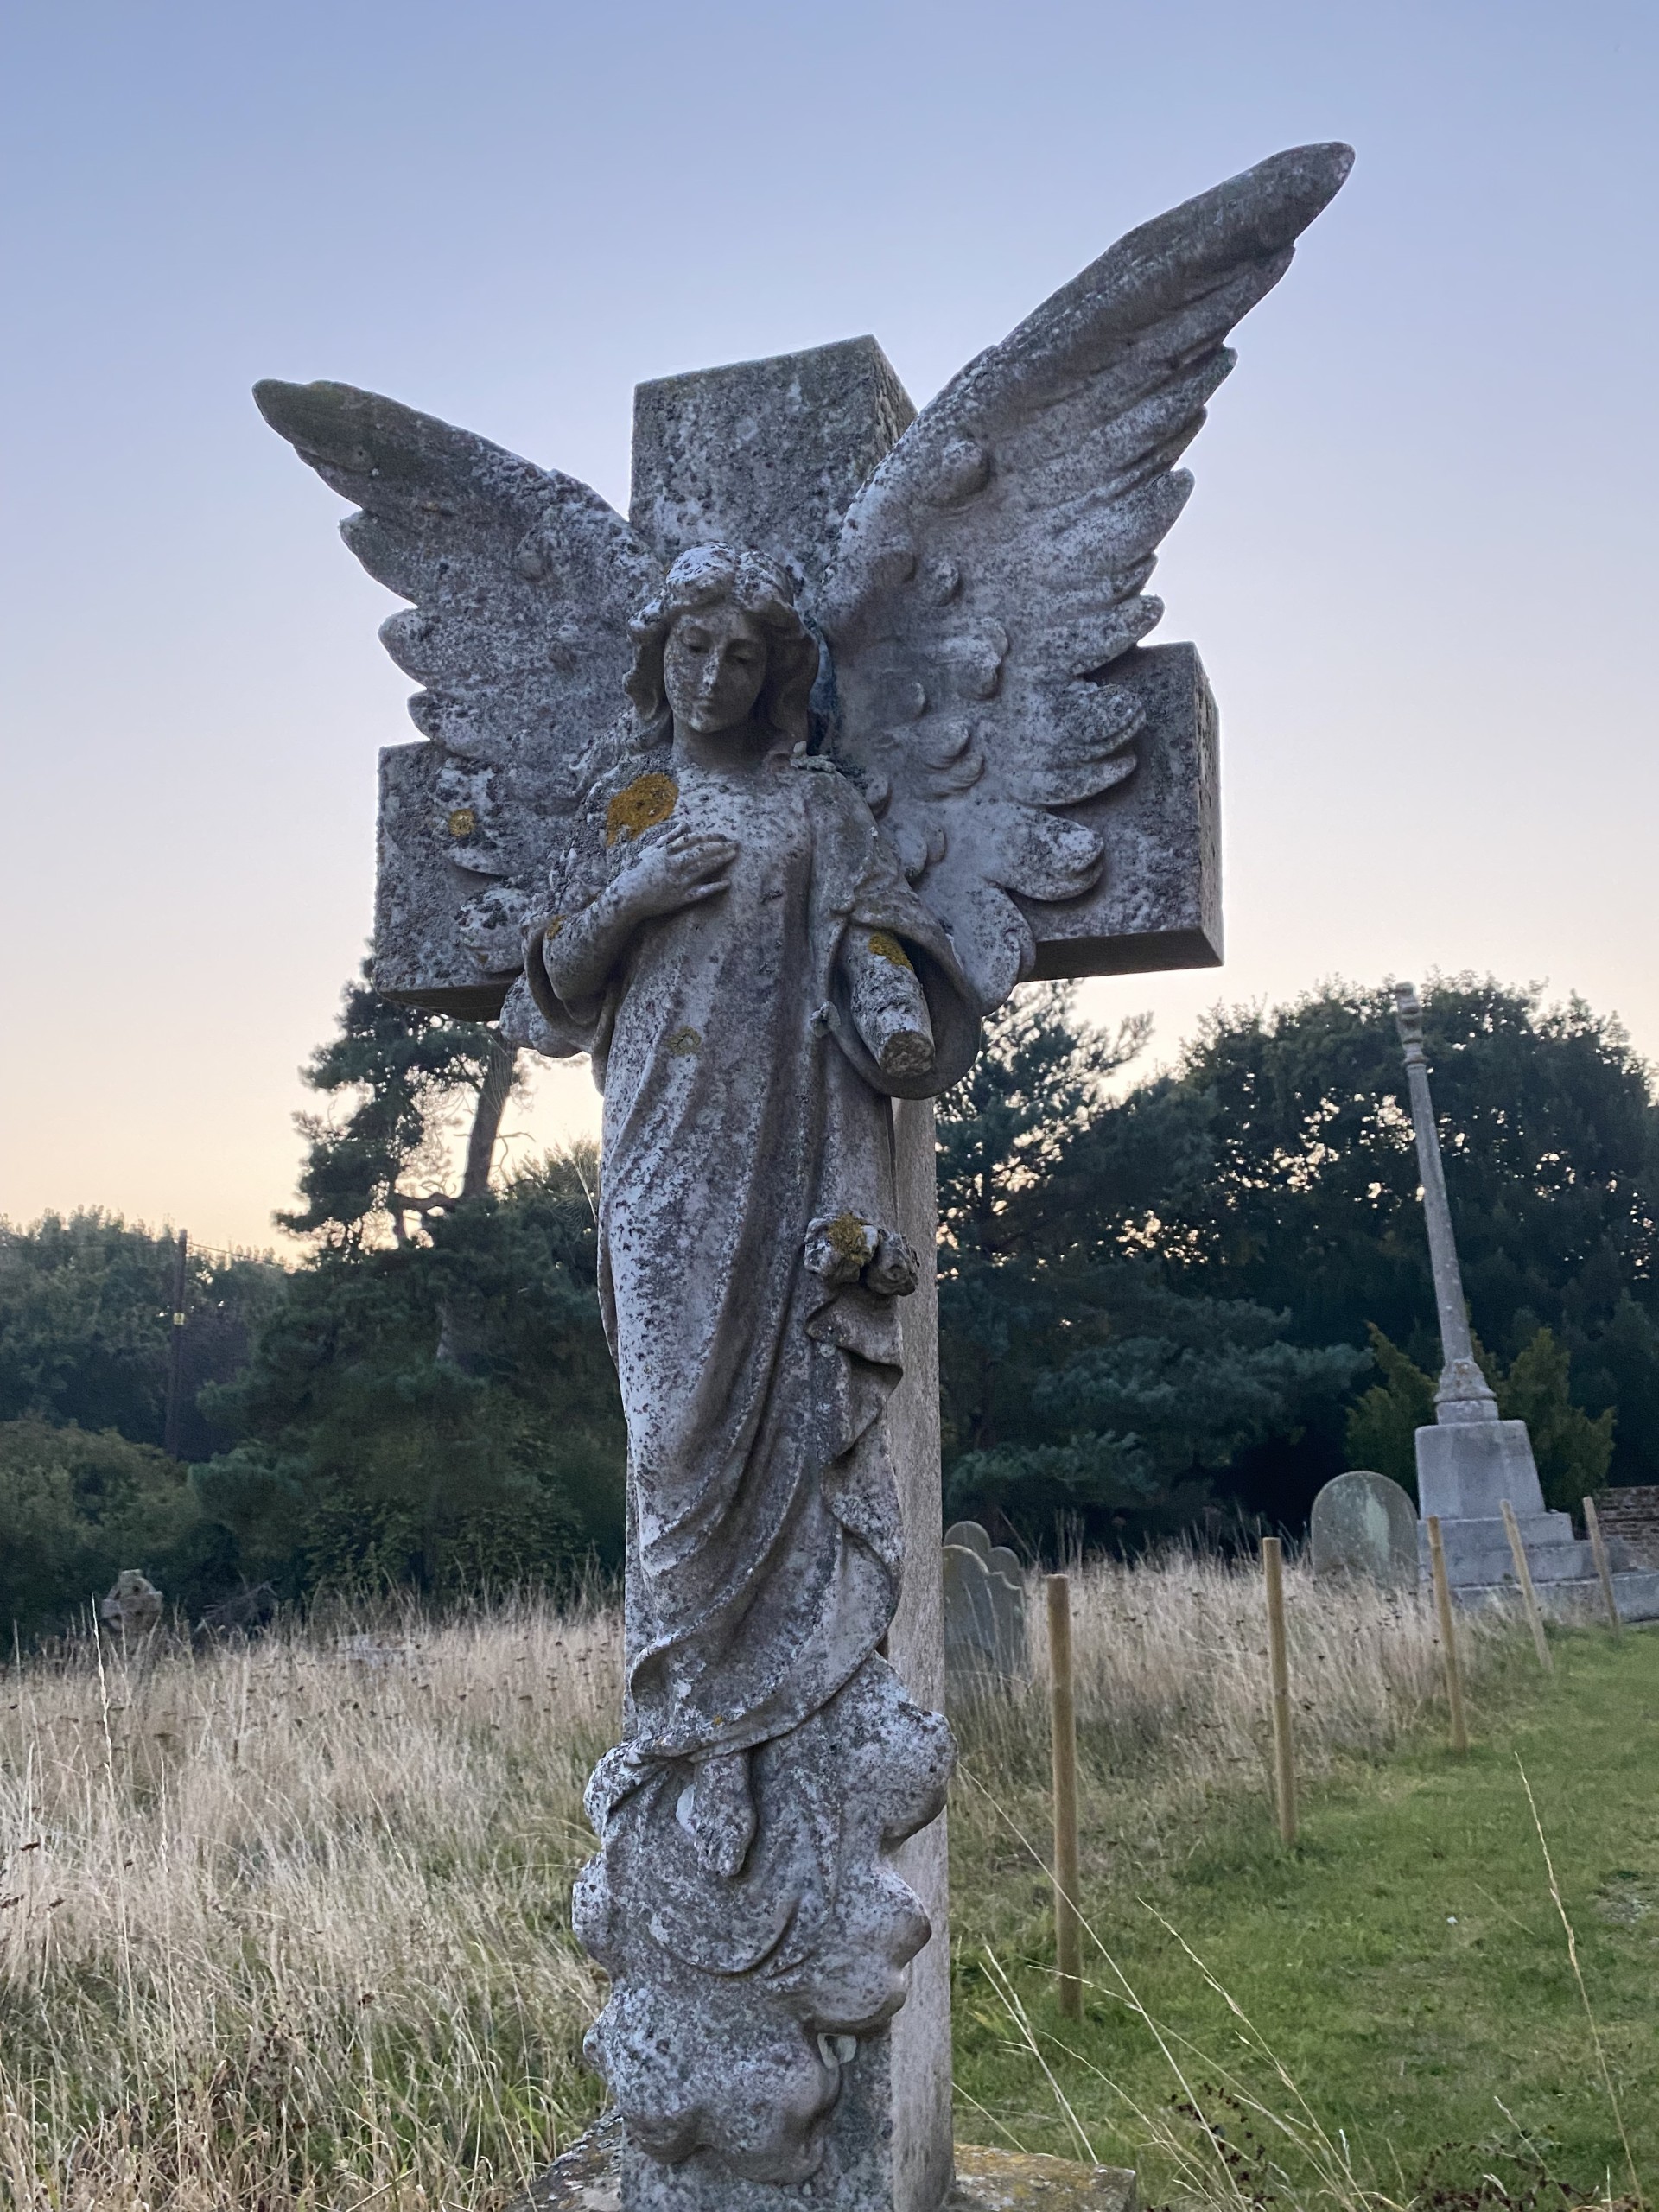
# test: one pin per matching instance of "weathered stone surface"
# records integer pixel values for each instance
(782, 884)
(765, 453)
(133, 1606)
(1463, 1394)
(420, 893)
(587, 2178)
(1364, 1524)
(987, 581)
(1465, 1469)
(907, 2072)
(1011, 2181)
(984, 1613)
(1470, 1462)
(1157, 904)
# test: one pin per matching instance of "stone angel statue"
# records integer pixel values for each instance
(767, 846)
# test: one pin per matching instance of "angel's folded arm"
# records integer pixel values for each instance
(581, 949)
(887, 1001)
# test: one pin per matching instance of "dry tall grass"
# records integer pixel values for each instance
(1172, 1665)
(283, 1926)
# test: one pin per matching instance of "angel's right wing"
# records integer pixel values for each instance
(989, 574)
(523, 582)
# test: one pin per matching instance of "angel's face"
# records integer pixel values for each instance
(714, 665)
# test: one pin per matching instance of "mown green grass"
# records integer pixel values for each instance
(1405, 1963)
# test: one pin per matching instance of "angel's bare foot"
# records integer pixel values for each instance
(719, 1813)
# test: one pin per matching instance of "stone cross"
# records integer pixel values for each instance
(769, 454)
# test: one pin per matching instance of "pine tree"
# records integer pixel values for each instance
(410, 1068)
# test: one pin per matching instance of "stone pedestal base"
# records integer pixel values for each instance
(1478, 1550)
(588, 2179)
(1464, 1471)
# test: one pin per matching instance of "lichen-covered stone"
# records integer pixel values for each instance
(984, 1613)
(1026, 2181)
(769, 830)
(133, 1606)
(1364, 1524)
(588, 2177)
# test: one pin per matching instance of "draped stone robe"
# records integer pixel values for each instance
(742, 1107)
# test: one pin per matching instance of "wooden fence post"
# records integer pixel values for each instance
(1284, 1756)
(1528, 1595)
(1448, 1636)
(1063, 1721)
(1603, 1565)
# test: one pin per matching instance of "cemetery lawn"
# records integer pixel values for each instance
(1405, 1963)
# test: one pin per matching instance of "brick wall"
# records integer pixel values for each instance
(1632, 1514)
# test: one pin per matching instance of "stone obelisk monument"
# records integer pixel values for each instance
(1470, 1460)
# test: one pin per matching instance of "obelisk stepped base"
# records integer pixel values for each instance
(1464, 1471)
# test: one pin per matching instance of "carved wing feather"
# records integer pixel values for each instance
(523, 581)
(991, 570)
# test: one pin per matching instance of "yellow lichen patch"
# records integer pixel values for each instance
(647, 801)
(848, 1237)
(462, 821)
(553, 927)
(885, 946)
(685, 1041)
(1012, 2180)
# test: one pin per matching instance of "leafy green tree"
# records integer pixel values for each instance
(366, 1458)
(1382, 1423)
(1151, 1393)
(396, 1075)
(1551, 1140)
(76, 1506)
(85, 1323)
(1082, 1381)
(1573, 1453)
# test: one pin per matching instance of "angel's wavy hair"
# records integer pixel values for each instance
(704, 577)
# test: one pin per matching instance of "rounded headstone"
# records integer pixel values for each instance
(1363, 1523)
(971, 1538)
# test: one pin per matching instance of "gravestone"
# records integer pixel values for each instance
(1364, 1524)
(133, 1606)
(895, 745)
(984, 1613)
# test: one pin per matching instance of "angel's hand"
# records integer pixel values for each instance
(684, 870)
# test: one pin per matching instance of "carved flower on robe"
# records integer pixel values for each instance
(844, 1248)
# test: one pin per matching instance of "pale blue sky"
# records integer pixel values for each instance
(1419, 562)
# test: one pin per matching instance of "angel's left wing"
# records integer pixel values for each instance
(523, 581)
(989, 573)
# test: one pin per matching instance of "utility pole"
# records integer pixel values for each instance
(176, 1353)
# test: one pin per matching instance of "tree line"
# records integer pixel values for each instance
(1167, 1301)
